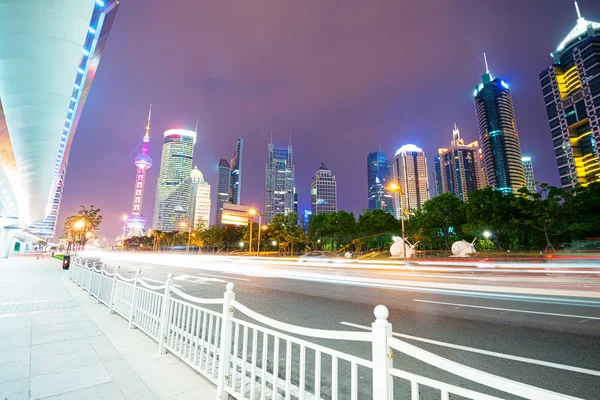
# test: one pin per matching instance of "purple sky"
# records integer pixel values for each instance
(342, 76)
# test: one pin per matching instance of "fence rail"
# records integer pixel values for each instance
(262, 358)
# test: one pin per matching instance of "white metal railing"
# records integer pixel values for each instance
(262, 358)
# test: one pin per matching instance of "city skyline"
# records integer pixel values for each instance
(372, 123)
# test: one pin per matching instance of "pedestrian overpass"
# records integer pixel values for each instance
(49, 54)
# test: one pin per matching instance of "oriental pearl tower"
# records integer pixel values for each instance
(136, 222)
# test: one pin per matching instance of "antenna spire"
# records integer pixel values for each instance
(290, 138)
(147, 135)
(577, 9)
(196, 131)
(487, 70)
(271, 142)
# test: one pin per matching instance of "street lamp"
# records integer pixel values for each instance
(124, 218)
(253, 212)
(487, 234)
(274, 243)
(78, 225)
(184, 225)
(242, 245)
(394, 187)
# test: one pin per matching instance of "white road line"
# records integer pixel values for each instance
(224, 277)
(28, 301)
(507, 309)
(486, 352)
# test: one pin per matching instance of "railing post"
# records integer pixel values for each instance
(164, 317)
(91, 278)
(100, 284)
(225, 350)
(382, 355)
(133, 296)
(112, 291)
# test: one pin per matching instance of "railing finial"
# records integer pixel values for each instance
(230, 286)
(381, 312)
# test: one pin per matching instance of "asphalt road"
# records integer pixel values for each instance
(538, 329)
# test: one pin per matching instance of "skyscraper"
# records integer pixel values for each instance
(529, 175)
(223, 186)
(323, 191)
(378, 174)
(136, 222)
(173, 191)
(200, 201)
(458, 168)
(279, 182)
(236, 173)
(571, 88)
(498, 135)
(410, 173)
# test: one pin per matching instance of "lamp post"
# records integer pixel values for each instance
(184, 225)
(78, 226)
(253, 212)
(398, 190)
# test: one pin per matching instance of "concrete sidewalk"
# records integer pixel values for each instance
(57, 343)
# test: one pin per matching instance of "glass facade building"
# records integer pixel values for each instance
(378, 175)
(410, 173)
(571, 89)
(498, 135)
(236, 173)
(173, 190)
(458, 168)
(223, 187)
(529, 175)
(280, 189)
(200, 201)
(323, 192)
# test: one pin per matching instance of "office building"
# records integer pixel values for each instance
(199, 212)
(410, 174)
(223, 187)
(136, 222)
(323, 192)
(236, 173)
(498, 135)
(173, 190)
(458, 168)
(571, 89)
(529, 175)
(279, 182)
(378, 176)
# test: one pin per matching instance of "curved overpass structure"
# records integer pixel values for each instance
(49, 53)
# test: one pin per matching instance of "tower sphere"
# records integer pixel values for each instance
(143, 161)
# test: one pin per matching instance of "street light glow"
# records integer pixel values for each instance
(487, 234)
(124, 217)
(274, 242)
(79, 224)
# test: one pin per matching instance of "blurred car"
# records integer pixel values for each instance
(321, 256)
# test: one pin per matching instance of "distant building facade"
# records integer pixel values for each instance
(498, 135)
(378, 176)
(236, 173)
(223, 187)
(279, 182)
(458, 168)
(173, 190)
(410, 173)
(529, 175)
(200, 201)
(323, 192)
(571, 88)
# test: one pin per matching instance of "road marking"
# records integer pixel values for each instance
(29, 301)
(224, 277)
(486, 352)
(161, 282)
(507, 309)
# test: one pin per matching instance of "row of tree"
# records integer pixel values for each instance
(519, 221)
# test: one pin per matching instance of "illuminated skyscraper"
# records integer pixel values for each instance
(200, 201)
(410, 173)
(498, 135)
(571, 88)
(378, 175)
(529, 175)
(173, 190)
(323, 191)
(136, 222)
(458, 168)
(279, 182)
(236, 173)
(223, 187)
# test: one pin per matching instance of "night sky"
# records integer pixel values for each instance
(342, 76)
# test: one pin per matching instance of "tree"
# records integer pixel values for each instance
(285, 230)
(82, 227)
(543, 211)
(444, 213)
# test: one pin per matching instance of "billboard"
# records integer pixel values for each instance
(234, 214)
